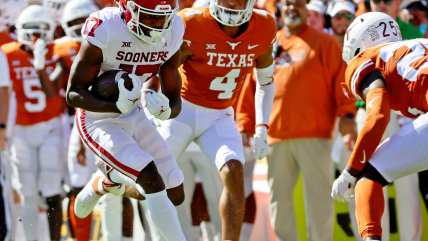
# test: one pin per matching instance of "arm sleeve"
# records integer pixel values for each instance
(378, 112)
(4, 71)
(265, 92)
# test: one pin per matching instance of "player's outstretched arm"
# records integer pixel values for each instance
(171, 83)
(377, 99)
(378, 112)
(84, 70)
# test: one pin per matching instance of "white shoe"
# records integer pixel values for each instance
(93, 191)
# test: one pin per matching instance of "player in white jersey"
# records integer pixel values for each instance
(142, 38)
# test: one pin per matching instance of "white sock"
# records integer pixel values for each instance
(127, 239)
(246, 231)
(30, 217)
(164, 216)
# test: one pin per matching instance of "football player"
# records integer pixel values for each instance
(142, 38)
(215, 65)
(388, 74)
(36, 142)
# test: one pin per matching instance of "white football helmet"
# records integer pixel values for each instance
(231, 17)
(368, 30)
(140, 14)
(35, 20)
(55, 7)
(74, 16)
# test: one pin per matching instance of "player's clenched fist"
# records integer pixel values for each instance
(343, 187)
(128, 99)
(39, 53)
(261, 147)
(157, 104)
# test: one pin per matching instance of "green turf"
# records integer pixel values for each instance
(339, 235)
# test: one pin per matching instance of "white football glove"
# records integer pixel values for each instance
(343, 187)
(39, 52)
(128, 99)
(260, 147)
(157, 104)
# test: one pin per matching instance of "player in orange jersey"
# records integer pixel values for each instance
(36, 142)
(388, 74)
(222, 45)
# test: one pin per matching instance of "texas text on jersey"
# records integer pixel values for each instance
(403, 66)
(219, 63)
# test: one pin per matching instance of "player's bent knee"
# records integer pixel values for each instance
(150, 179)
(176, 195)
(371, 173)
(232, 171)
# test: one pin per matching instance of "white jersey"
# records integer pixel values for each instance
(121, 49)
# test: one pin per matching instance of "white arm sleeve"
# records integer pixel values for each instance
(265, 92)
(4, 71)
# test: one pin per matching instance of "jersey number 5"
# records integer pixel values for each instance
(36, 99)
(225, 84)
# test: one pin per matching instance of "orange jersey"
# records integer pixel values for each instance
(5, 38)
(215, 72)
(404, 67)
(66, 49)
(31, 102)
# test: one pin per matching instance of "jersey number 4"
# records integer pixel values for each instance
(225, 84)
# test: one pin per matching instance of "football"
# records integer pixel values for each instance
(105, 86)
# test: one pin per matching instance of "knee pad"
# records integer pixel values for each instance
(371, 173)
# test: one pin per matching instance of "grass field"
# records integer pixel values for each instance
(339, 235)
